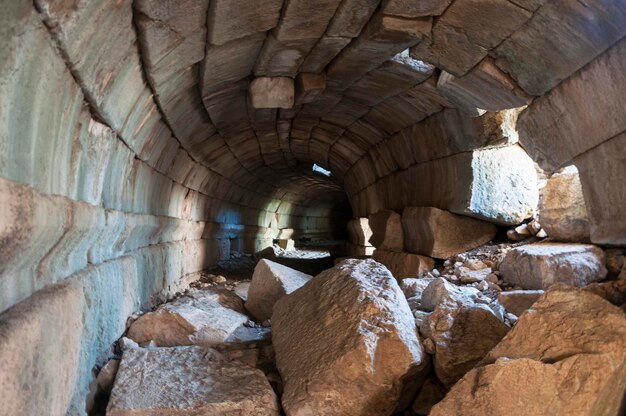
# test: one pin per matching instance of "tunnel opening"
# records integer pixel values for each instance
(362, 207)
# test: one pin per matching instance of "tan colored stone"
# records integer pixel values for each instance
(404, 265)
(308, 87)
(359, 232)
(287, 244)
(282, 58)
(562, 210)
(408, 8)
(414, 287)
(441, 234)
(324, 51)
(387, 233)
(518, 301)
(431, 393)
(537, 266)
(107, 374)
(188, 380)
(270, 282)
(272, 92)
(323, 335)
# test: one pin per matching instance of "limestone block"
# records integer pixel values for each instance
(519, 301)
(275, 92)
(270, 282)
(554, 145)
(562, 210)
(407, 8)
(39, 347)
(201, 320)
(187, 380)
(600, 173)
(282, 58)
(569, 337)
(308, 87)
(229, 20)
(296, 23)
(359, 232)
(324, 51)
(404, 265)
(539, 62)
(456, 45)
(485, 87)
(538, 266)
(441, 292)
(351, 17)
(440, 234)
(287, 244)
(387, 231)
(322, 335)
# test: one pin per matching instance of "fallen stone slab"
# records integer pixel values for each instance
(537, 266)
(415, 287)
(207, 319)
(440, 234)
(571, 338)
(518, 301)
(403, 265)
(188, 380)
(387, 231)
(346, 343)
(270, 282)
(562, 209)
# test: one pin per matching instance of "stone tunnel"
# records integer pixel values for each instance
(143, 142)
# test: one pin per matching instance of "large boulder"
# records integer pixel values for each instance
(562, 210)
(566, 357)
(207, 318)
(403, 265)
(537, 266)
(518, 301)
(346, 343)
(437, 233)
(387, 231)
(270, 282)
(186, 381)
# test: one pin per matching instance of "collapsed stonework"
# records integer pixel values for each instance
(144, 141)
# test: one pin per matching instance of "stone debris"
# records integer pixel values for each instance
(404, 265)
(270, 282)
(537, 266)
(352, 323)
(518, 301)
(571, 338)
(188, 380)
(415, 287)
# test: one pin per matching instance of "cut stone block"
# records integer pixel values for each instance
(323, 335)
(440, 234)
(282, 58)
(538, 266)
(359, 232)
(234, 19)
(571, 338)
(324, 51)
(562, 210)
(287, 244)
(272, 92)
(309, 86)
(403, 265)
(304, 19)
(206, 319)
(387, 233)
(485, 87)
(270, 282)
(351, 17)
(409, 8)
(519, 301)
(188, 380)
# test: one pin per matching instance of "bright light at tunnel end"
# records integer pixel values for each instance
(319, 169)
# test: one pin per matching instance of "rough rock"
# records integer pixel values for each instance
(272, 92)
(270, 282)
(436, 233)
(287, 244)
(441, 291)
(352, 323)
(106, 376)
(431, 393)
(387, 231)
(308, 87)
(537, 266)
(188, 380)
(562, 210)
(518, 301)
(359, 232)
(403, 265)
(415, 287)
(567, 357)
(613, 291)
(201, 320)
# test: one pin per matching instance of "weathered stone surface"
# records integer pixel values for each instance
(415, 287)
(440, 292)
(229, 20)
(387, 233)
(571, 338)
(351, 17)
(408, 8)
(324, 51)
(272, 92)
(199, 320)
(308, 87)
(270, 282)
(403, 265)
(359, 232)
(282, 58)
(440, 234)
(188, 380)
(537, 266)
(484, 87)
(562, 210)
(296, 21)
(518, 301)
(323, 335)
